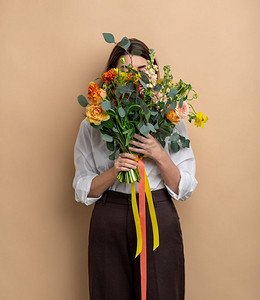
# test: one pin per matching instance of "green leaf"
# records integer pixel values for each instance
(107, 138)
(144, 130)
(125, 101)
(144, 78)
(109, 38)
(185, 142)
(96, 126)
(143, 84)
(130, 136)
(175, 137)
(167, 110)
(82, 100)
(125, 89)
(154, 113)
(140, 125)
(121, 112)
(145, 109)
(136, 52)
(158, 87)
(151, 127)
(115, 129)
(124, 43)
(110, 146)
(112, 156)
(162, 142)
(172, 93)
(173, 105)
(175, 147)
(147, 115)
(181, 102)
(106, 105)
(108, 124)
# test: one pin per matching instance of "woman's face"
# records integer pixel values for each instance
(138, 62)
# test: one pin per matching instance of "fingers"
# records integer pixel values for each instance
(125, 162)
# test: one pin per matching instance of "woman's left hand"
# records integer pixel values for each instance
(148, 146)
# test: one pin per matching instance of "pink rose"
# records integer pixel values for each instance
(103, 93)
(183, 111)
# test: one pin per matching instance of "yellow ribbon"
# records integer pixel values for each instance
(137, 218)
(137, 221)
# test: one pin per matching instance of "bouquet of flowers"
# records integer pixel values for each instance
(130, 102)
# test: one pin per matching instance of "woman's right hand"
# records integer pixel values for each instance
(125, 162)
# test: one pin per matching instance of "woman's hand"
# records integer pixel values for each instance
(125, 162)
(148, 146)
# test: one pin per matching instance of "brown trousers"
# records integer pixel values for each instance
(114, 272)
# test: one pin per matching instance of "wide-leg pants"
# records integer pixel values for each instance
(114, 272)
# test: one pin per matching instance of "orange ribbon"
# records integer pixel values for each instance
(140, 223)
(143, 255)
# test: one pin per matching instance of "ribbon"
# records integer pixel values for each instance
(140, 223)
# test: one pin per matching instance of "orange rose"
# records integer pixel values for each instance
(94, 93)
(95, 114)
(108, 76)
(173, 117)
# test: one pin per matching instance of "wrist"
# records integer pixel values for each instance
(114, 172)
(162, 158)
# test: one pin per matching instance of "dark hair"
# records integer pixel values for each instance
(118, 51)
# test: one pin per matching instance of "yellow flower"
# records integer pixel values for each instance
(160, 81)
(173, 117)
(95, 114)
(200, 119)
(131, 77)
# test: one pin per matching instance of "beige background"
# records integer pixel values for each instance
(50, 50)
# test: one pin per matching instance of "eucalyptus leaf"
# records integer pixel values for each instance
(175, 137)
(112, 156)
(106, 105)
(121, 112)
(151, 127)
(136, 52)
(109, 38)
(107, 138)
(181, 102)
(82, 100)
(162, 142)
(125, 101)
(167, 110)
(144, 77)
(144, 130)
(145, 109)
(173, 105)
(110, 146)
(175, 147)
(124, 43)
(172, 93)
(153, 113)
(143, 84)
(157, 87)
(140, 125)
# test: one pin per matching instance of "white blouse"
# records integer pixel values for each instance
(91, 159)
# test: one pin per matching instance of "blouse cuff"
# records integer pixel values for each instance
(82, 190)
(187, 186)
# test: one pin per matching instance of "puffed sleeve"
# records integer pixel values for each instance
(185, 161)
(85, 169)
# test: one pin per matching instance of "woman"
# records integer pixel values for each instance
(114, 272)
